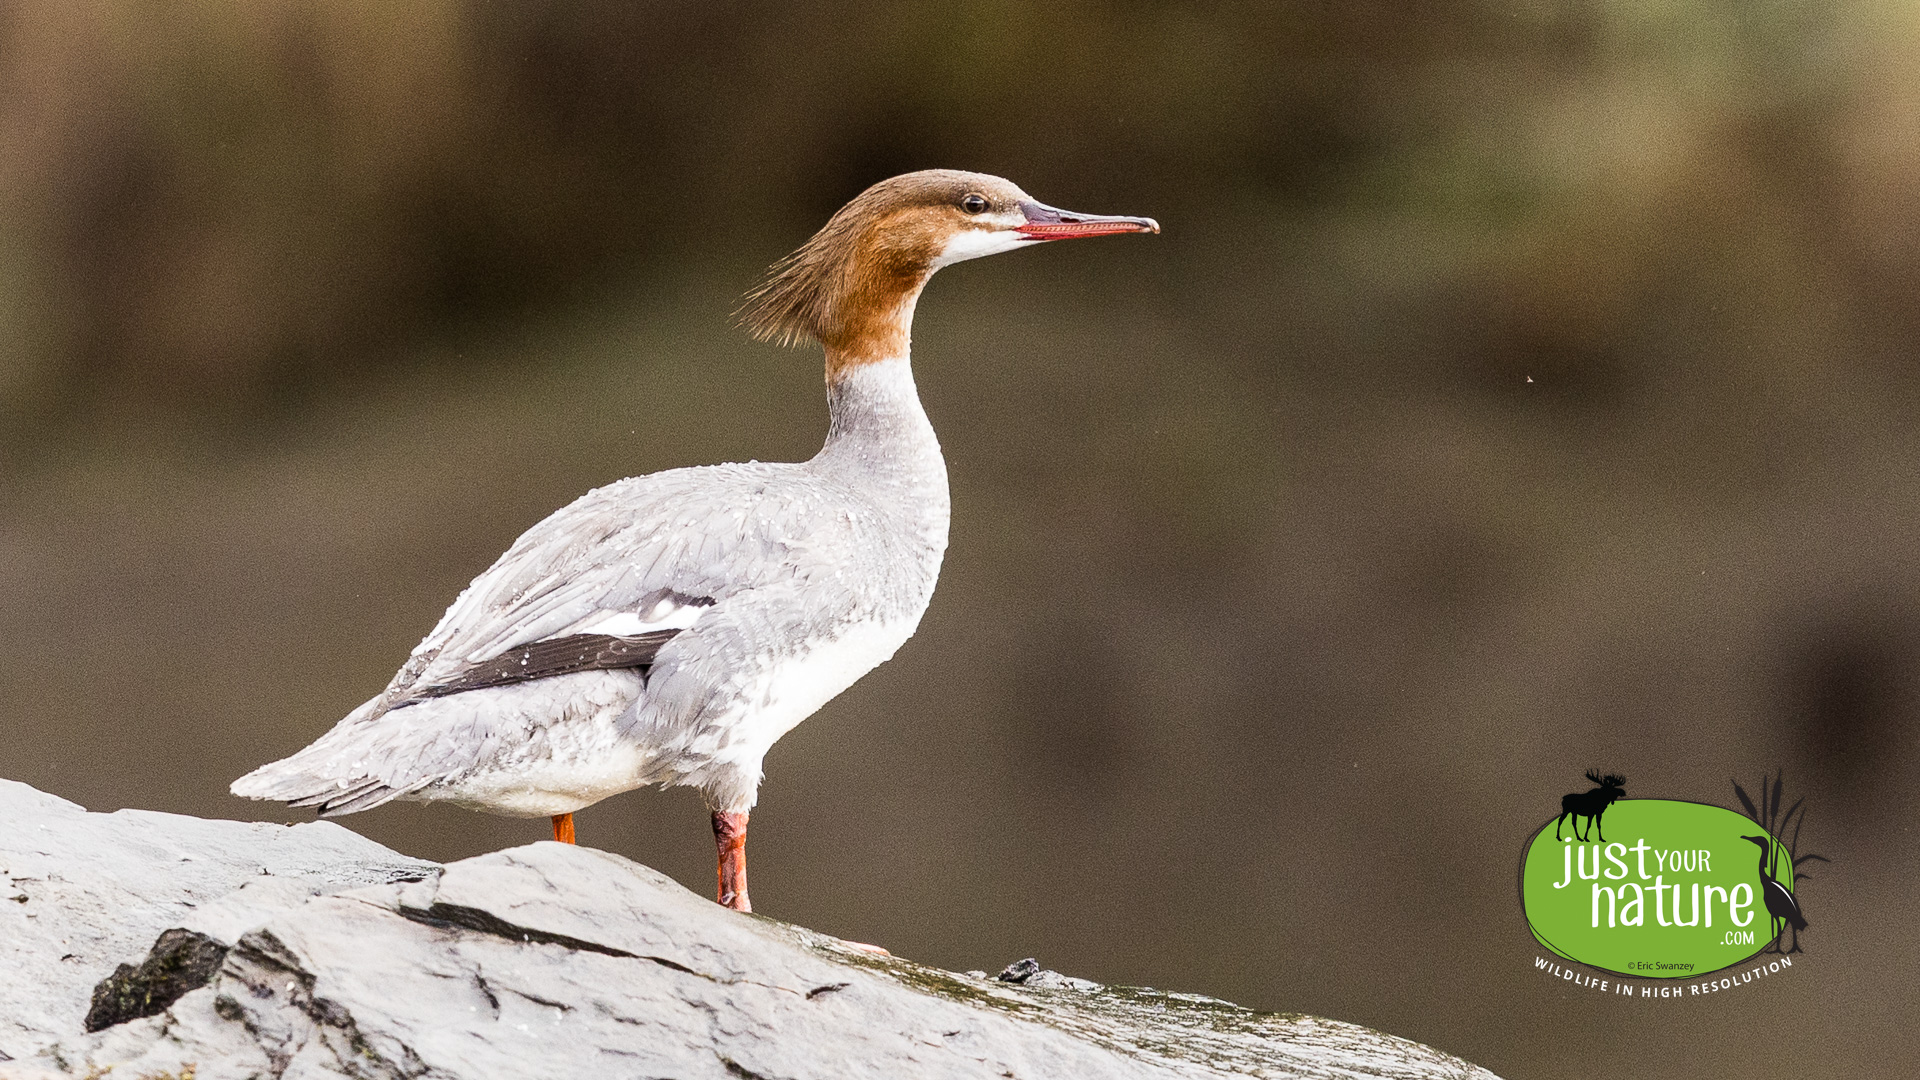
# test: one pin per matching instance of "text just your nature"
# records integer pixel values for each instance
(1626, 903)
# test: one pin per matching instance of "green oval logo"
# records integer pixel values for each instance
(1677, 889)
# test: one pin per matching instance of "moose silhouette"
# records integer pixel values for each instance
(1590, 805)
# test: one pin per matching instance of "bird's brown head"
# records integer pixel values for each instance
(852, 287)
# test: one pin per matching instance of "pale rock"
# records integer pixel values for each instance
(348, 960)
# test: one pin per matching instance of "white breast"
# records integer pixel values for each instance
(794, 688)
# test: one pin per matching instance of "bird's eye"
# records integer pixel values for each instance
(973, 203)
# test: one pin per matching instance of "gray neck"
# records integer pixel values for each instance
(878, 430)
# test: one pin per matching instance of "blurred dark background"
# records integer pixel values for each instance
(1518, 388)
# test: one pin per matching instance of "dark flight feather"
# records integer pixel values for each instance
(545, 659)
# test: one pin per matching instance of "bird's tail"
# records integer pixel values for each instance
(284, 781)
(326, 775)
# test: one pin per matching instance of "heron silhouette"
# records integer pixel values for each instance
(1773, 823)
(1779, 899)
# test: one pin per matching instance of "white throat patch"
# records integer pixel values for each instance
(973, 243)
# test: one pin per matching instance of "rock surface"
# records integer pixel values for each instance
(342, 958)
(81, 893)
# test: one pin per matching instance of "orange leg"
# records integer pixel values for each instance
(563, 828)
(730, 841)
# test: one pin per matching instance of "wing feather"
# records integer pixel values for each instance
(554, 656)
(702, 534)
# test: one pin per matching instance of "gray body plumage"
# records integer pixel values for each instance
(670, 628)
(787, 582)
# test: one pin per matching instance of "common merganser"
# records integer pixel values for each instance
(667, 629)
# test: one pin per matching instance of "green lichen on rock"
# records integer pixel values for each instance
(180, 961)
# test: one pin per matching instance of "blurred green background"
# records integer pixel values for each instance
(1518, 388)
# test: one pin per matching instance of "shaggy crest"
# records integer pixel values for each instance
(852, 271)
(790, 305)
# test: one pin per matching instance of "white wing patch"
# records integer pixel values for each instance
(665, 614)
